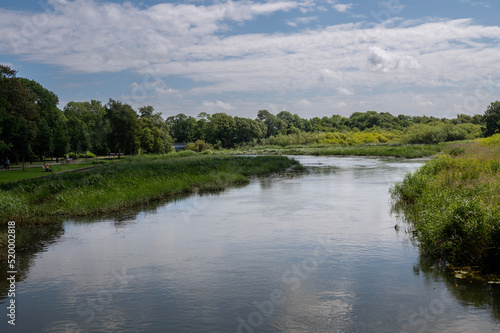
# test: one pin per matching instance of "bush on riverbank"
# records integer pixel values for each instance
(337, 138)
(436, 132)
(135, 181)
(452, 206)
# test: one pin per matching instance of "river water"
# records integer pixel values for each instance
(311, 252)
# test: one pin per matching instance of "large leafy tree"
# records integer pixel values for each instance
(155, 136)
(61, 138)
(19, 116)
(247, 130)
(221, 130)
(275, 125)
(125, 135)
(93, 114)
(50, 115)
(492, 119)
(79, 136)
(182, 128)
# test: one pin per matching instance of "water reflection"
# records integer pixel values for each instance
(468, 292)
(30, 242)
(311, 253)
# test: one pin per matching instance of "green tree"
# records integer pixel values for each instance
(202, 121)
(45, 141)
(221, 130)
(182, 127)
(93, 114)
(61, 138)
(155, 136)
(125, 127)
(79, 138)
(247, 130)
(49, 113)
(19, 116)
(492, 119)
(275, 125)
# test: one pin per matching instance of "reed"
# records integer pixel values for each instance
(452, 205)
(135, 181)
(393, 150)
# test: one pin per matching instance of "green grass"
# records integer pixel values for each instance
(395, 150)
(132, 182)
(14, 175)
(452, 205)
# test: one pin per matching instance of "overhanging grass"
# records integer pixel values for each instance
(453, 206)
(133, 182)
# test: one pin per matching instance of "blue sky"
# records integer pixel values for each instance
(313, 58)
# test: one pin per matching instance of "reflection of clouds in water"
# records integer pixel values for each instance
(325, 311)
(198, 263)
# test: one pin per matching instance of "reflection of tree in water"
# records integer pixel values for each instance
(467, 291)
(29, 242)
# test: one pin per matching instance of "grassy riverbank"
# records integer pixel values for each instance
(17, 174)
(387, 149)
(132, 182)
(452, 205)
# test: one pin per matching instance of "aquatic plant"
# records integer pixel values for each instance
(452, 205)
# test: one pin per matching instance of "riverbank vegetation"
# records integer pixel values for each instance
(33, 127)
(452, 205)
(387, 150)
(132, 182)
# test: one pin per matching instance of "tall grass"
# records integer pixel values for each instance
(452, 205)
(394, 150)
(133, 182)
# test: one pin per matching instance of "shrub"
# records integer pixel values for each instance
(440, 132)
(87, 154)
(199, 146)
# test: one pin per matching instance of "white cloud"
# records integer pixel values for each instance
(394, 7)
(474, 3)
(386, 61)
(218, 105)
(348, 63)
(301, 20)
(346, 92)
(342, 8)
(304, 103)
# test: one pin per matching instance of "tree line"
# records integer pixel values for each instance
(32, 125)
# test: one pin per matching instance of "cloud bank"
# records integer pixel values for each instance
(429, 62)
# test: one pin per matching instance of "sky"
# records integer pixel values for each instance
(314, 58)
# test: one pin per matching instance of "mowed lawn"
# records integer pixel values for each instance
(33, 171)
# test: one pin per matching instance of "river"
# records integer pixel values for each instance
(297, 252)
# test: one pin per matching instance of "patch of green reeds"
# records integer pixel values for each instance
(452, 205)
(393, 150)
(133, 182)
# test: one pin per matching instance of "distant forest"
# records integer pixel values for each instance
(32, 126)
